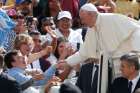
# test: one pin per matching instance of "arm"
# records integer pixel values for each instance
(38, 55)
(53, 36)
(54, 43)
(48, 74)
(87, 50)
(135, 40)
(8, 7)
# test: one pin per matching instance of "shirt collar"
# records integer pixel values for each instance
(134, 82)
(135, 79)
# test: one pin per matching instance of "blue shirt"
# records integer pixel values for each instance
(19, 75)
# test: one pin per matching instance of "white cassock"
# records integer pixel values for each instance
(113, 35)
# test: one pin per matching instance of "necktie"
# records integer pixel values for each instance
(130, 86)
(95, 81)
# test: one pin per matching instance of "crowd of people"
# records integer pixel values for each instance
(69, 46)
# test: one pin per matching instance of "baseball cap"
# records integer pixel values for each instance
(63, 14)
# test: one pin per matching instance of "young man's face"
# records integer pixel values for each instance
(19, 61)
(126, 69)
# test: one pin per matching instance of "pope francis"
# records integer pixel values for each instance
(109, 34)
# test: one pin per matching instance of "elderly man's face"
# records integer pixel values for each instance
(87, 18)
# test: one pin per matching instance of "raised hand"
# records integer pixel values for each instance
(48, 49)
(67, 51)
(49, 30)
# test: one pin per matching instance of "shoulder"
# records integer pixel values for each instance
(120, 79)
(13, 72)
(87, 67)
(120, 85)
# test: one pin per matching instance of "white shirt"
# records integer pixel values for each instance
(134, 83)
(35, 64)
(93, 72)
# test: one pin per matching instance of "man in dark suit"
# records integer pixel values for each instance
(88, 77)
(7, 83)
(130, 80)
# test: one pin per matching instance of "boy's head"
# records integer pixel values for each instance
(15, 59)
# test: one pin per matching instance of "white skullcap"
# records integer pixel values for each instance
(89, 7)
(63, 14)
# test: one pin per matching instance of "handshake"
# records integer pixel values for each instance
(62, 64)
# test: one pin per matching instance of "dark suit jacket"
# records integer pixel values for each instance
(120, 85)
(84, 79)
(8, 84)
